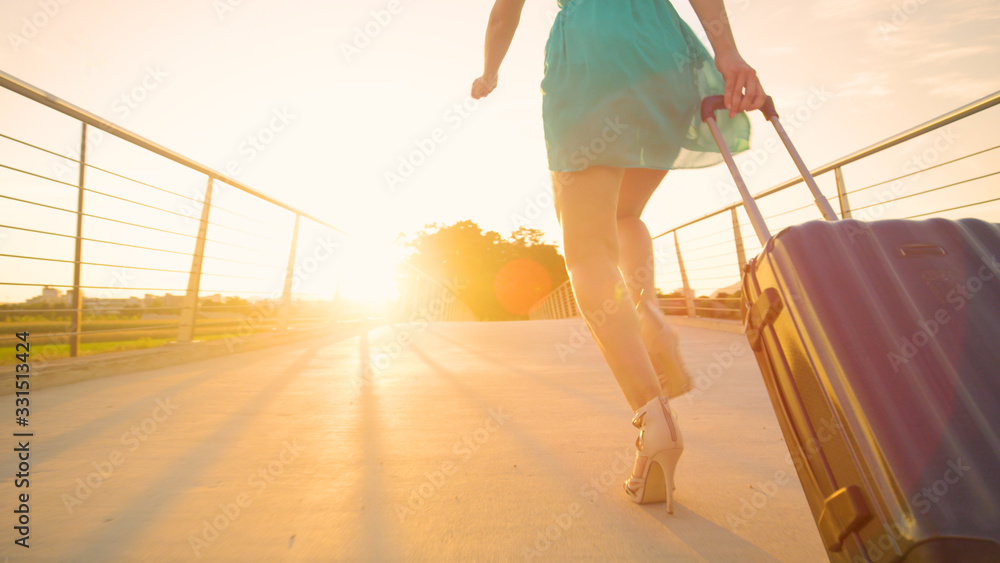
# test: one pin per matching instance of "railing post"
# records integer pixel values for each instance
(409, 309)
(432, 298)
(420, 311)
(845, 206)
(688, 299)
(190, 311)
(76, 301)
(437, 302)
(285, 310)
(741, 256)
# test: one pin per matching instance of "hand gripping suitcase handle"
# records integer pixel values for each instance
(709, 106)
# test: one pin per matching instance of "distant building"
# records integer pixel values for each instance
(168, 300)
(50, 295)
(105, 304)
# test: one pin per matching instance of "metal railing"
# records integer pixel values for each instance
(426, 299)
(715, 259)
(124, 227)
(558, 304)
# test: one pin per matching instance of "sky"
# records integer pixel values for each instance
(358, 112)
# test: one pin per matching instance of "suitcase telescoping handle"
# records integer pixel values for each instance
(709, 106)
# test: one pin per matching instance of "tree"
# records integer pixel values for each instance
(498, 278)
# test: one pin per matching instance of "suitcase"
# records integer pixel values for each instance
(879, 344)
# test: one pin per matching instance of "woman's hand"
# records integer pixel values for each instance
(504, 17)
(482, 86)
(743, 89)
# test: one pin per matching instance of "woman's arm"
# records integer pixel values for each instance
(503, 22)
(743, 89)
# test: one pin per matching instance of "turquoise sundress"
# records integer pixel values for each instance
(623, 84)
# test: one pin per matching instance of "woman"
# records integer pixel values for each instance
(621, 91)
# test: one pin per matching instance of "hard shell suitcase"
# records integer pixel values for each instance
(879, 343)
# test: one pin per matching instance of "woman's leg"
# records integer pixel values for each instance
(636, 246)
(586, 203)
(638, 266)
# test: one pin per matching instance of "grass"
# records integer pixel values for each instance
(91, 344)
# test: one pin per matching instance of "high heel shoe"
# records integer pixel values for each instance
(658, 448)
(664, 349)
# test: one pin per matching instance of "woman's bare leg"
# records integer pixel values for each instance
(586, 203)
(636, 246)
(638, 266)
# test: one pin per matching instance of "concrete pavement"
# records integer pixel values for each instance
(453, 442)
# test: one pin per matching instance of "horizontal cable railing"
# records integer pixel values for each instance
(116, 257)
(560, 303)
(426, 299)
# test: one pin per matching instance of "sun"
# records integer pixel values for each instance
(368, 273)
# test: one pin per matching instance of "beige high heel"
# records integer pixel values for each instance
(658, 448)
(664, 349)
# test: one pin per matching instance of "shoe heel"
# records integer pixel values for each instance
(667, 462)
